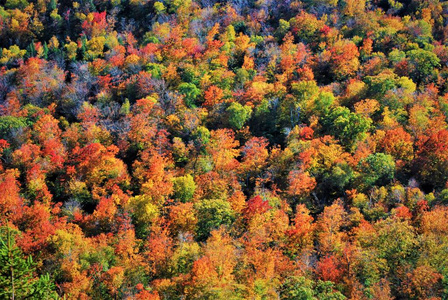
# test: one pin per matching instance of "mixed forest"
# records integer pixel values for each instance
(239, 149)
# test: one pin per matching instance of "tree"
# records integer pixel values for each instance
(238, 114)
(98, 167)
(213, 96)
(325, 290)
(184, 187)
(155, 183)
(255, 206)
(344, 59)
(211, 214)
(9, 125)
(398, 143)
(422, 65)
(183, 218)
(329, 269)
(255, 155)
(145, 211)
(306, 26)
(423, 283)
(300, 234)
(158, 251)
(377, 169)
(300, 183)
(190, 92)
(432, 159)
(10, 201)
(302, 288)
(222, 148)
(41, 90)
(295, 287)
(17, 279)
(329, 227)
(213, 273)
(347, 126)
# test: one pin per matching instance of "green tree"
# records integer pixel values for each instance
(301, 288)
(397, 243)
(297, 288)
(212, 213)
(422, 64)
(238, 114)
(346, 126)
(325, 290)
(191, 92)
(184, 187)
(283, 28)
(295, 108)
(338, 178)
(12, 4)
(377, 169)
(9, 124)
(305, 90)
(17, 279)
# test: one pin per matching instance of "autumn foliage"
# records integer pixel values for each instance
(206, 149)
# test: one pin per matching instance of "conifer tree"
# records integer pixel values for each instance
(17, 279)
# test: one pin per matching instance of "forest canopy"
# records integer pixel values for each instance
(234, 149)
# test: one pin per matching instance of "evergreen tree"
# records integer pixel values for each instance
(16, 274)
